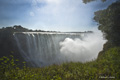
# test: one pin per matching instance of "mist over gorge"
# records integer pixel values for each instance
(82, 50)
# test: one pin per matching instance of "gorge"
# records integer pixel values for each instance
(46, 48)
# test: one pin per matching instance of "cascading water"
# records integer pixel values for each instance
(46, 48)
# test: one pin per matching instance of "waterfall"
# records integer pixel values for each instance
(43, 48)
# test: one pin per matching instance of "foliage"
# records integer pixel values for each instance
(106, 66)
(109, 23)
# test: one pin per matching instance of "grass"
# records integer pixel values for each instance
(107, 67)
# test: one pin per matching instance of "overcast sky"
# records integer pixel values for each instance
(58, 15)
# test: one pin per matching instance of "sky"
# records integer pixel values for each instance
(50, 15)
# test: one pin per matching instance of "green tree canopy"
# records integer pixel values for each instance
(109, 23)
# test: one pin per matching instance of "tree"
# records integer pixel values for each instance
(108, 20)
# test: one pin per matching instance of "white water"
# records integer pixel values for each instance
(42, 49)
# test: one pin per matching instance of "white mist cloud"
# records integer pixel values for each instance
(82, 50)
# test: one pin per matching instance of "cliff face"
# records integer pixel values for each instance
(8, 44)
(109, 24)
